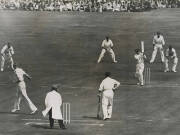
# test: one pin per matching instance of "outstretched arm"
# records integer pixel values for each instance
(28, 76)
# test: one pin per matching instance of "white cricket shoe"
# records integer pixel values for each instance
(115, 61)
(14, 110)
(34, 111)
(174, 71)
(166, 70)
(2, 69)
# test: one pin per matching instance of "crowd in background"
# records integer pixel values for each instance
(88, 5)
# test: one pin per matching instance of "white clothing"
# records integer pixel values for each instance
(158, 43)
(140, 67)
(7, 51)
(21, 91)
(6, 54)
(171, 56)
(107, 46)
(20, 73)
(53, 101)
(158, 40)
(107, 86)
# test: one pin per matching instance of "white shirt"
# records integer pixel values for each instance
(108, 84)
(7, 51)
(20, 73)
(140, 58)
(158, 41)
(171, 53)
(107, 44)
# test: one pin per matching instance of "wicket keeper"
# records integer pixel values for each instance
(171, 56)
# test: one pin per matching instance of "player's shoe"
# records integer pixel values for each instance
(63, 127)
(115, 61)
(98, 61)
(2, 69)
(105, 119)
(166, 70)
(174, 71)
(34, 111)
(151, 62)
(14, 110)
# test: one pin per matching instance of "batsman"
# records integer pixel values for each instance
(139, 57)
(106, 89)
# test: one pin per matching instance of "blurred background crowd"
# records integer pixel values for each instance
(88, 5)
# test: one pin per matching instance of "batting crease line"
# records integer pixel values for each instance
(73, 120)
(145, 86)
(43, 123)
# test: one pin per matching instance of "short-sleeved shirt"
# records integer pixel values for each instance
(7, 51)
(107, 44)
(20, 73)
(140, 58)
(171, 53)
(158, 40)
(108, 84)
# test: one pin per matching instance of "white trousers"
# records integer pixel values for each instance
(174, 63)
(21, 92)
(110, 51)
(156, 48)
(139, 73)
(8, 59)
(107, 103)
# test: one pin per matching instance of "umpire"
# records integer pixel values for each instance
(53, 102)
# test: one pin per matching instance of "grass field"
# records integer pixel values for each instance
(63, 48)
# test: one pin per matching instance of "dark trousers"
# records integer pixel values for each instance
(51, 121)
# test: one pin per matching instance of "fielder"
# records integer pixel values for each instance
(107, 87)
(171, 56)
(139, 56)
(53, 102)
(6, 54)
(21, 90)
(158, 43)
(107, 45)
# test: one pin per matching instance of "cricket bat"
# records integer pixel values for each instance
(142, 46)
(99, 110)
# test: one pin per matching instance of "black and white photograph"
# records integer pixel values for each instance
(89, 67)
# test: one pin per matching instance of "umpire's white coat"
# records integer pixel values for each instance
(53, 100)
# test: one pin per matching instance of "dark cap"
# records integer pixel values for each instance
(137, 50)
(107, 74)
(54, 87)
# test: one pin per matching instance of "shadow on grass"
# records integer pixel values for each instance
(41, 126)
(15, 113)
(44, 127)
(90, 117)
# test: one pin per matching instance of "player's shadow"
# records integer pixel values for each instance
(40, 126)
(15, 113)
(44, 127)
(90, 117)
